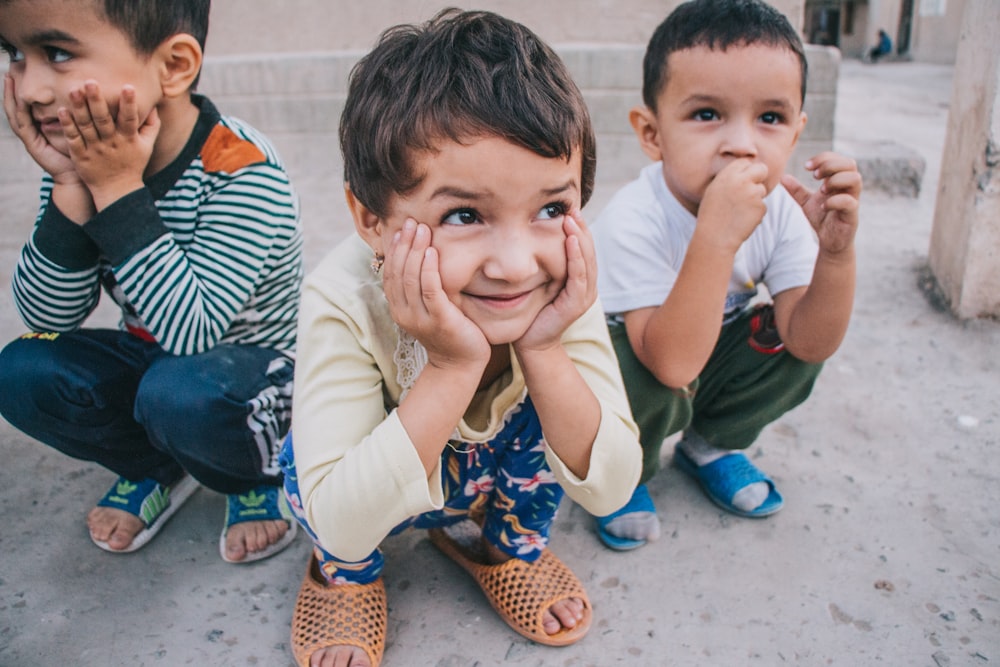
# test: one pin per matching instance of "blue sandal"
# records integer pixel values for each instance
(639, 502)
(264, 503)
(149, 501)
(722, 478)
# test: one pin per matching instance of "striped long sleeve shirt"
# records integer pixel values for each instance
(209, 252)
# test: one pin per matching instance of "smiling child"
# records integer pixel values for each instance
(454, 364)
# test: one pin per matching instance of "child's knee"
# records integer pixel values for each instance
(166, 397)
(31, 368)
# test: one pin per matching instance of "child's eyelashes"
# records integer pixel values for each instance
(470, 216)
(12, 52)
(461, 216)
(553, 210)
(57, 55)
(52, 53)
(768, 117)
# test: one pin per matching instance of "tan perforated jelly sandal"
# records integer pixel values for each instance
(341, 615)
(520, 591)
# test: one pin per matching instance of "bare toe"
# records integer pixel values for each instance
(252, 536)
(113, 526)
(564, 614)
(339, 656)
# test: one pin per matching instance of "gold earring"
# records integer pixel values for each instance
(377, 262)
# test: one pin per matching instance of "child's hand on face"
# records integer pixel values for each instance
(60, 167)
(419, 305)
(733, 203)
(832, 209)
(577, 295)
(110, 154)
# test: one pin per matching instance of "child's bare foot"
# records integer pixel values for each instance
(258, 525)
(118, 528)
(564, 614)
(339, 656)
(338, 625)
(114, 526)
(131, 513)
(249, 537)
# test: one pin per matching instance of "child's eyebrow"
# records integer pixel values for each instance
(455, 193)
(701, 99)
(458, 193)
(559, 189)
(49, 36)
(781, 102)
(709, 100)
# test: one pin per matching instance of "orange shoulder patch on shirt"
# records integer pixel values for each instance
(226, 152)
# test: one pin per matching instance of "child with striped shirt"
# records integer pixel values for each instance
(187, 220)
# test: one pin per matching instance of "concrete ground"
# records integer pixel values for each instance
(887, 551)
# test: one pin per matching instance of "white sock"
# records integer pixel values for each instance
(635, 526)
(747, 499)
(751, 496)
(699, 451)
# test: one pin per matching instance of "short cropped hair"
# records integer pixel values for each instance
(147, 23)
(716, 24)
(459, 76)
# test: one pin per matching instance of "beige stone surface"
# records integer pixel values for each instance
(249, 26)
(965, 242)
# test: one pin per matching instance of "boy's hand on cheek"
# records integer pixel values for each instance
(832, 209)
(109, 153)
(577, 295)
(60, 167)
(418, 304)
(733, 204)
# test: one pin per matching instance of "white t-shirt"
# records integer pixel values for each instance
(643, 233)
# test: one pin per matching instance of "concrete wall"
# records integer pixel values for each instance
(936, 37)
(933, 37)
(265, 26)
(965, 239)
(855, 39)
(934, 32)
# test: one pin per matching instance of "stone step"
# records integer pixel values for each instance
(886, 166)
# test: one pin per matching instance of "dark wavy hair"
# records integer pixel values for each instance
(461, 75)
(717, 24)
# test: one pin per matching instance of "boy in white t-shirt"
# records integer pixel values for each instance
(683, 248)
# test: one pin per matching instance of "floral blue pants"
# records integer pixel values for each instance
(505, 482)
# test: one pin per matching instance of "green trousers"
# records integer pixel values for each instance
(749, 381)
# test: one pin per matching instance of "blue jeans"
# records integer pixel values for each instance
(506, 483)
(109, 397)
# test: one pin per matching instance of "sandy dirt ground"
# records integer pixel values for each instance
(886, 553)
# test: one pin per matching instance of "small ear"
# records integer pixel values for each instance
(643, 120)
(368, 225)
(181, 59)
(802, 125)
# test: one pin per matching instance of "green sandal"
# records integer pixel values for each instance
(148, 500)
(264, 503)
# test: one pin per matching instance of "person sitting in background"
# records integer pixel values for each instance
(883, 48)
